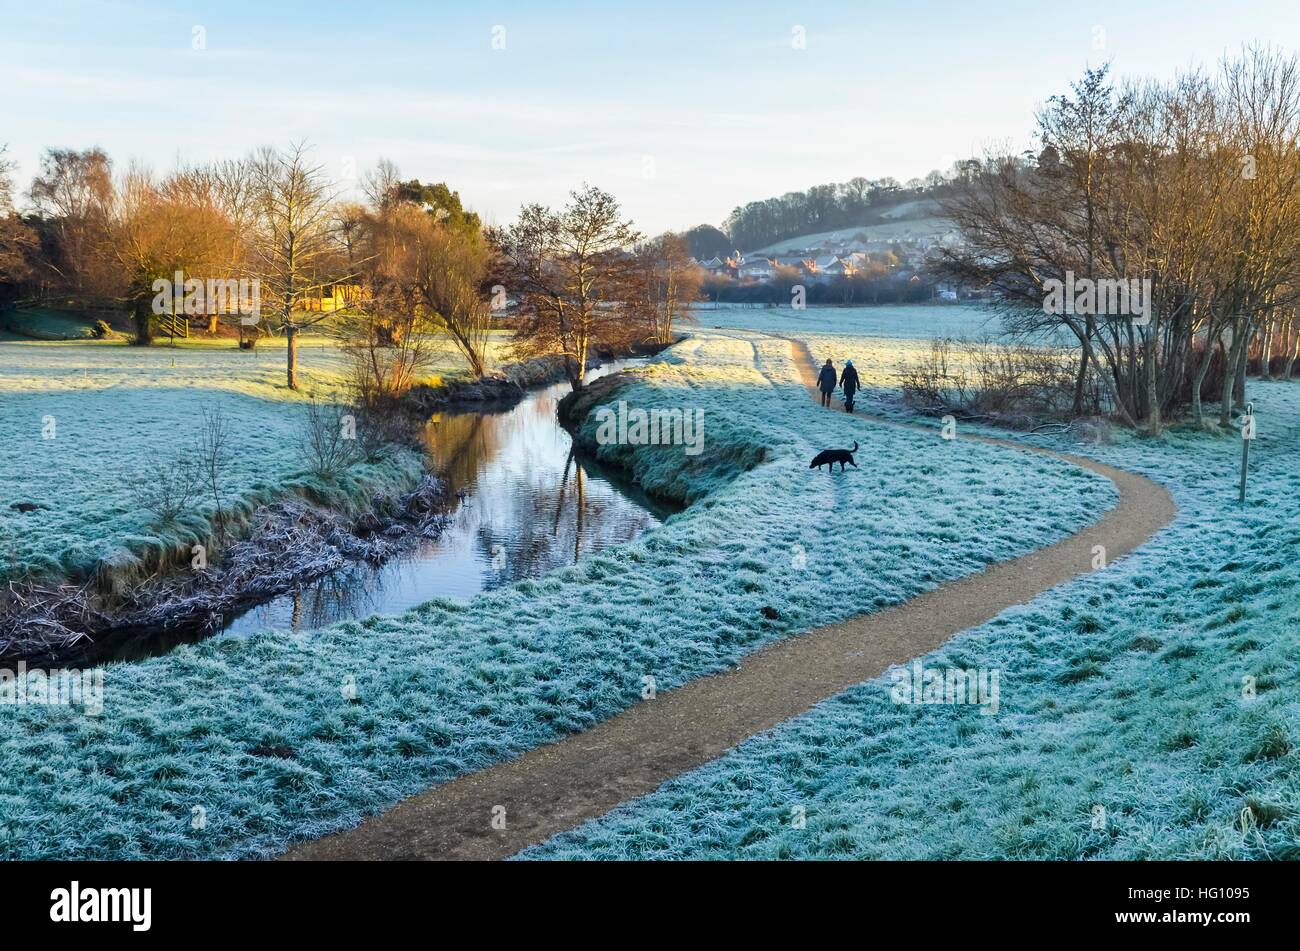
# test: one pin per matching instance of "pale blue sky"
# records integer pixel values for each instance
(710, 98)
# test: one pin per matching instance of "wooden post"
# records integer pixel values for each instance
(1247, 437)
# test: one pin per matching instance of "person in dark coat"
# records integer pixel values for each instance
(851, 384)
(826, 382)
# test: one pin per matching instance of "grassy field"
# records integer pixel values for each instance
(452, 687)
(80, 420)
(866, 324)
(1124, 698)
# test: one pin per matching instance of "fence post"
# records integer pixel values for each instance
(1247, 437)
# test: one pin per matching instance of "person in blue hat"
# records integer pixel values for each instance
(850, 383)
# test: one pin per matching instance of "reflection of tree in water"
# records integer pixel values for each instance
(531, 506)
(351, 592)
(458, 443)
(571, 517)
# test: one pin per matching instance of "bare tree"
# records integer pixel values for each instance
(212, 456)
(224, 189)
(380, 184)
(327, 439)
(388, 334)
(295, 249)
(1191, 186)
(674, 283)
(160, 229)
(449, 271)
(73, 191)
(167, 490)
(18, 244)
(573, 274)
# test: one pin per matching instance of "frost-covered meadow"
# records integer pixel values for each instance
(1146, 710)
(884, 324)
(281, 738)
(80, 420)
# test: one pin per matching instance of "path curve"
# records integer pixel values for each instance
(558, 786)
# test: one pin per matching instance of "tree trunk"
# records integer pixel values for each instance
(1293, 351)
(292, 334)
(1229, 368)
(1266, 350)
(143, 321)
(1079, 382)
(1198, 377)
(1154, 424)
(580, 371)
(1239, 379)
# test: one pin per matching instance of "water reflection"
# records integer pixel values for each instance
(530, 505)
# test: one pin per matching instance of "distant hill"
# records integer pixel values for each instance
(909, 221)
(857, 203)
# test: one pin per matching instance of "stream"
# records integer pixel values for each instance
(527, 506)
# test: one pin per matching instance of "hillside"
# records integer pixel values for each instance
(932, 228)
(913, 219)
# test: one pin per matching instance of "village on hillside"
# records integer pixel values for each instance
(866, 256)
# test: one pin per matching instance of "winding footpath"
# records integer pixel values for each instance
(556, 787)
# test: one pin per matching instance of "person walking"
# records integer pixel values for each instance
(826, 382)
(850, 383)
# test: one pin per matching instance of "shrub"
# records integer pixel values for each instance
(1015, 383)
(168, 490)
(327, 439)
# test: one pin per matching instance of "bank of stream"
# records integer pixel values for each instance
(523, 503)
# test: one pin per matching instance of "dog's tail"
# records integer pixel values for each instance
(855, 446)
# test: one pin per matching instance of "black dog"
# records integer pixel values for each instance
(828, 457)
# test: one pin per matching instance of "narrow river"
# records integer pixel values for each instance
(529, 506)
(525, 505)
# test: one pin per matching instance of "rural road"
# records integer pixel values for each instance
(556, 787)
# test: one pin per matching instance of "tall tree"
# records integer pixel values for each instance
(158, 230)
(73, 193)
(295, 250)
(674, 282)
(1191, 186)
(574, 276)
(18, 243)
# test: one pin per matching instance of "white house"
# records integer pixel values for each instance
(795, 262)
(829, 266)
(759, 269)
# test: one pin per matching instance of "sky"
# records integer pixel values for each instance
(682, 110)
